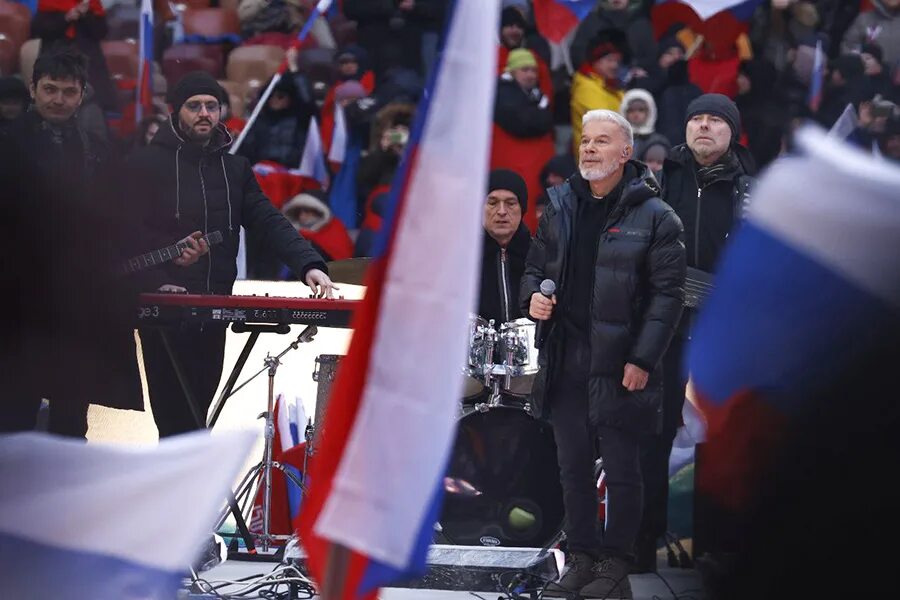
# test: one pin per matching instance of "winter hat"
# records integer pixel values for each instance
(561, 164)
(504, 179)
(608, 41)
(718, 105)
(850, 66)
(511, 16)
(195, 83)
(13, 88)
(873, 49)
(520, 58)
(666, 43)
(349, 90)
(655, 151)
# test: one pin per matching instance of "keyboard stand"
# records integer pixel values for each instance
(229, 390)
(195, 411)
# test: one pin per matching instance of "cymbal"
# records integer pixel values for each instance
(350, 270)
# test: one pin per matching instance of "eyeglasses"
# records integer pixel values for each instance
(195, 106)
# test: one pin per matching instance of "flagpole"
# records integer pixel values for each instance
(335, 572)
(321, 8)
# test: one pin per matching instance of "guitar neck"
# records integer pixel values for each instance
(697, 286)
(163, 255)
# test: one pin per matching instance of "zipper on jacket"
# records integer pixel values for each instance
(697, 231)
(205, 225)
(504, 285)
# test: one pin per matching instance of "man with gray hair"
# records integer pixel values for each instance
(616, 254)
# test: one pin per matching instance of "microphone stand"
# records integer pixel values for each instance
(263, 469)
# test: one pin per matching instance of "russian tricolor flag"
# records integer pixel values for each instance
(103, 522)
(817, 78)
(555, 19)
(377, 483)
(144, 100)
(807, 285)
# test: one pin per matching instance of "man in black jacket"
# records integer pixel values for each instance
(70, 334)
(616, 254)
(185, 180)
(506, 242)
(707, 181)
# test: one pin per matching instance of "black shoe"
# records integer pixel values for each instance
(576, 574)
(645, 556)
(610, 580)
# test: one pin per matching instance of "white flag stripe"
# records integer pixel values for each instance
(707, 8)
(148, 505)
(339, 140)
(398, 447)
(311, 161)
(848, 216)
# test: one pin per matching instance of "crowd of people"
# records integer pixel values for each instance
(621, 158)
(623, 56)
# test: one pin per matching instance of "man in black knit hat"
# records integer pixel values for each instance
(506, 242)
(184, 181)
(707, 181)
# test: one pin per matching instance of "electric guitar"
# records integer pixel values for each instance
(158, 257)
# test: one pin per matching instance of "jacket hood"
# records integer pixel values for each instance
(306, 200)
(639, 94)
(171, 137)
(395, 113)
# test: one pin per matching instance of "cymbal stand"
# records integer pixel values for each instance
(263, 470)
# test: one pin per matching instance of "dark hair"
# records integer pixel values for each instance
(61, 62)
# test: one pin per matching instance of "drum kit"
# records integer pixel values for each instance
(502, 485)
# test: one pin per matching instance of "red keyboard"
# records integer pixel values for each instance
(174, 309)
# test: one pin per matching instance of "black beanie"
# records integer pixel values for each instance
(13, 88)
(504, 179)
(511, 16)
(195, 83)
(718, 105)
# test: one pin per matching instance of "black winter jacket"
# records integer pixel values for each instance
(709, 213)
(636, 298)
(520, 113)
(501, 274)
(182, 187)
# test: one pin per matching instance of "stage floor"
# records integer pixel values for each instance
(686, 584)
(294, 378)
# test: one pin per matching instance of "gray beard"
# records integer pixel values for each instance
(598, 173)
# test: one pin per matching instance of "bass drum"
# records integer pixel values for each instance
(503, 482)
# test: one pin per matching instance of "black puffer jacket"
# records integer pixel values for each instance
(636, 298)
(501, 273)
(180, 187)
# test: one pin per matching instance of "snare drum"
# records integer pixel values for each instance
(503, 481)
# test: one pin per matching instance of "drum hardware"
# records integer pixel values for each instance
(509, 338)
(491, 335)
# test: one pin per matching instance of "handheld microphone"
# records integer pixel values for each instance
(548, 288)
